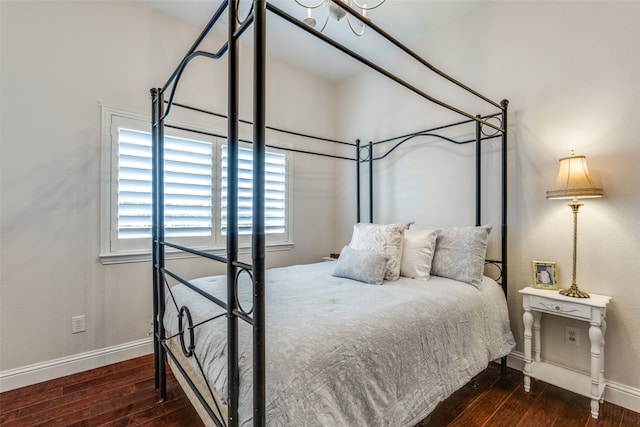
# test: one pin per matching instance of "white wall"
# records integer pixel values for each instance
(60, 61)
(570, 70)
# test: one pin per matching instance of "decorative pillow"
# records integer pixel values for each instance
(417, 253)
(386, 239)
(363, 266)
(460, 253)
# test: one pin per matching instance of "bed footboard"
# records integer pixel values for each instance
(187, 376)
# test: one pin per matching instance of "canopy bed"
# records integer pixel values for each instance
(320, 344)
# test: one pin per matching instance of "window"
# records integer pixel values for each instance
(275, 192)
(194, 180)
(188, 186)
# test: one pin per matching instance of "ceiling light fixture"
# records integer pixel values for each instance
(336, 12)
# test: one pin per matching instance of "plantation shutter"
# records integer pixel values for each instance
(188, 186)
(275, 192)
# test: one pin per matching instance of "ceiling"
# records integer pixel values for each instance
(409, 21)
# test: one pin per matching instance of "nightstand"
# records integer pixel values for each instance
(592, 310)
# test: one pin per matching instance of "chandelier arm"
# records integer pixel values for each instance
(313, 6)
(326, 20)
(367, 7)
(353, 28)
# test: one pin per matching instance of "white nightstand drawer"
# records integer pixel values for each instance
(560, 308)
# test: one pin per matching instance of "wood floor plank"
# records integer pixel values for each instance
(541, 412)
(140, 414)
(613, 416)
(517, 404)
(83, 398)
(180, 417)
(547, 408)
(451, 408)
(123, 394)
(573, 409)
(114, 403)
(629, 418)
(26, 394)
(483, 408)
(16, 400)
(76, 411)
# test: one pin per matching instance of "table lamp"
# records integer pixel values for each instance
(574, 182)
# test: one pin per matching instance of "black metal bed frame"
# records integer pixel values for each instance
(256, 270)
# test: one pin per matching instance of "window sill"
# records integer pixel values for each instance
(144, 256)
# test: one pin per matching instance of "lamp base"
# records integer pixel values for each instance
(574, 292)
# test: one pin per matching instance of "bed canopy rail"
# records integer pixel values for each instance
(279, 147)
(402, 139)
(255, 317)
(236, 33)
(272, 128)
(366, 154)
(387, 73)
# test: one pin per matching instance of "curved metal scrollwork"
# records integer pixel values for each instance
(187, 351)
(491, 131)
(236, 285)
(248, 16)
(366, 149)
(493, 269)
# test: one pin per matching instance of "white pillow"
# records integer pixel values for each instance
(363, 266)
(384, 239)
(417, 253)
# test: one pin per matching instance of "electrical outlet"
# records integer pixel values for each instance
(77, 324)
(572, 336)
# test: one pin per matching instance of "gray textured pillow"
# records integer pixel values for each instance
(363, 266)
(386, 239)
(460, 253)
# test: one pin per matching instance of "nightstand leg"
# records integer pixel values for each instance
(596, 338)
(603, 327)
(527, 318)
(536, 336)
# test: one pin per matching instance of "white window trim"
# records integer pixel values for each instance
(109, 256)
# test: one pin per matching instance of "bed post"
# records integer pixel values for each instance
(478, 171)
(357, 180)
(258, 240)
(505, 147)
(370, 181)
(154, 240)
(505, 105)
(157, 235)
(232, 216)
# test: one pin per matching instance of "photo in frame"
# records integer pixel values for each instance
(545, 275)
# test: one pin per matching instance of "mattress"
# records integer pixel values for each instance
(344, 353)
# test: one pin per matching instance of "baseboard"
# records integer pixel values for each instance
(45, 371)
(616, 393)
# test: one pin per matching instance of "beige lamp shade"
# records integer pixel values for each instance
(574, 180)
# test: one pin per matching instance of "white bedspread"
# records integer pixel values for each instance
(344, 353)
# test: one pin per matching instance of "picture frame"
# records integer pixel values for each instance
(545, 275)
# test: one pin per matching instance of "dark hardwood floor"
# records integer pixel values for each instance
(122, 394)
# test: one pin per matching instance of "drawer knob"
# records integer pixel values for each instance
(557, 307)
